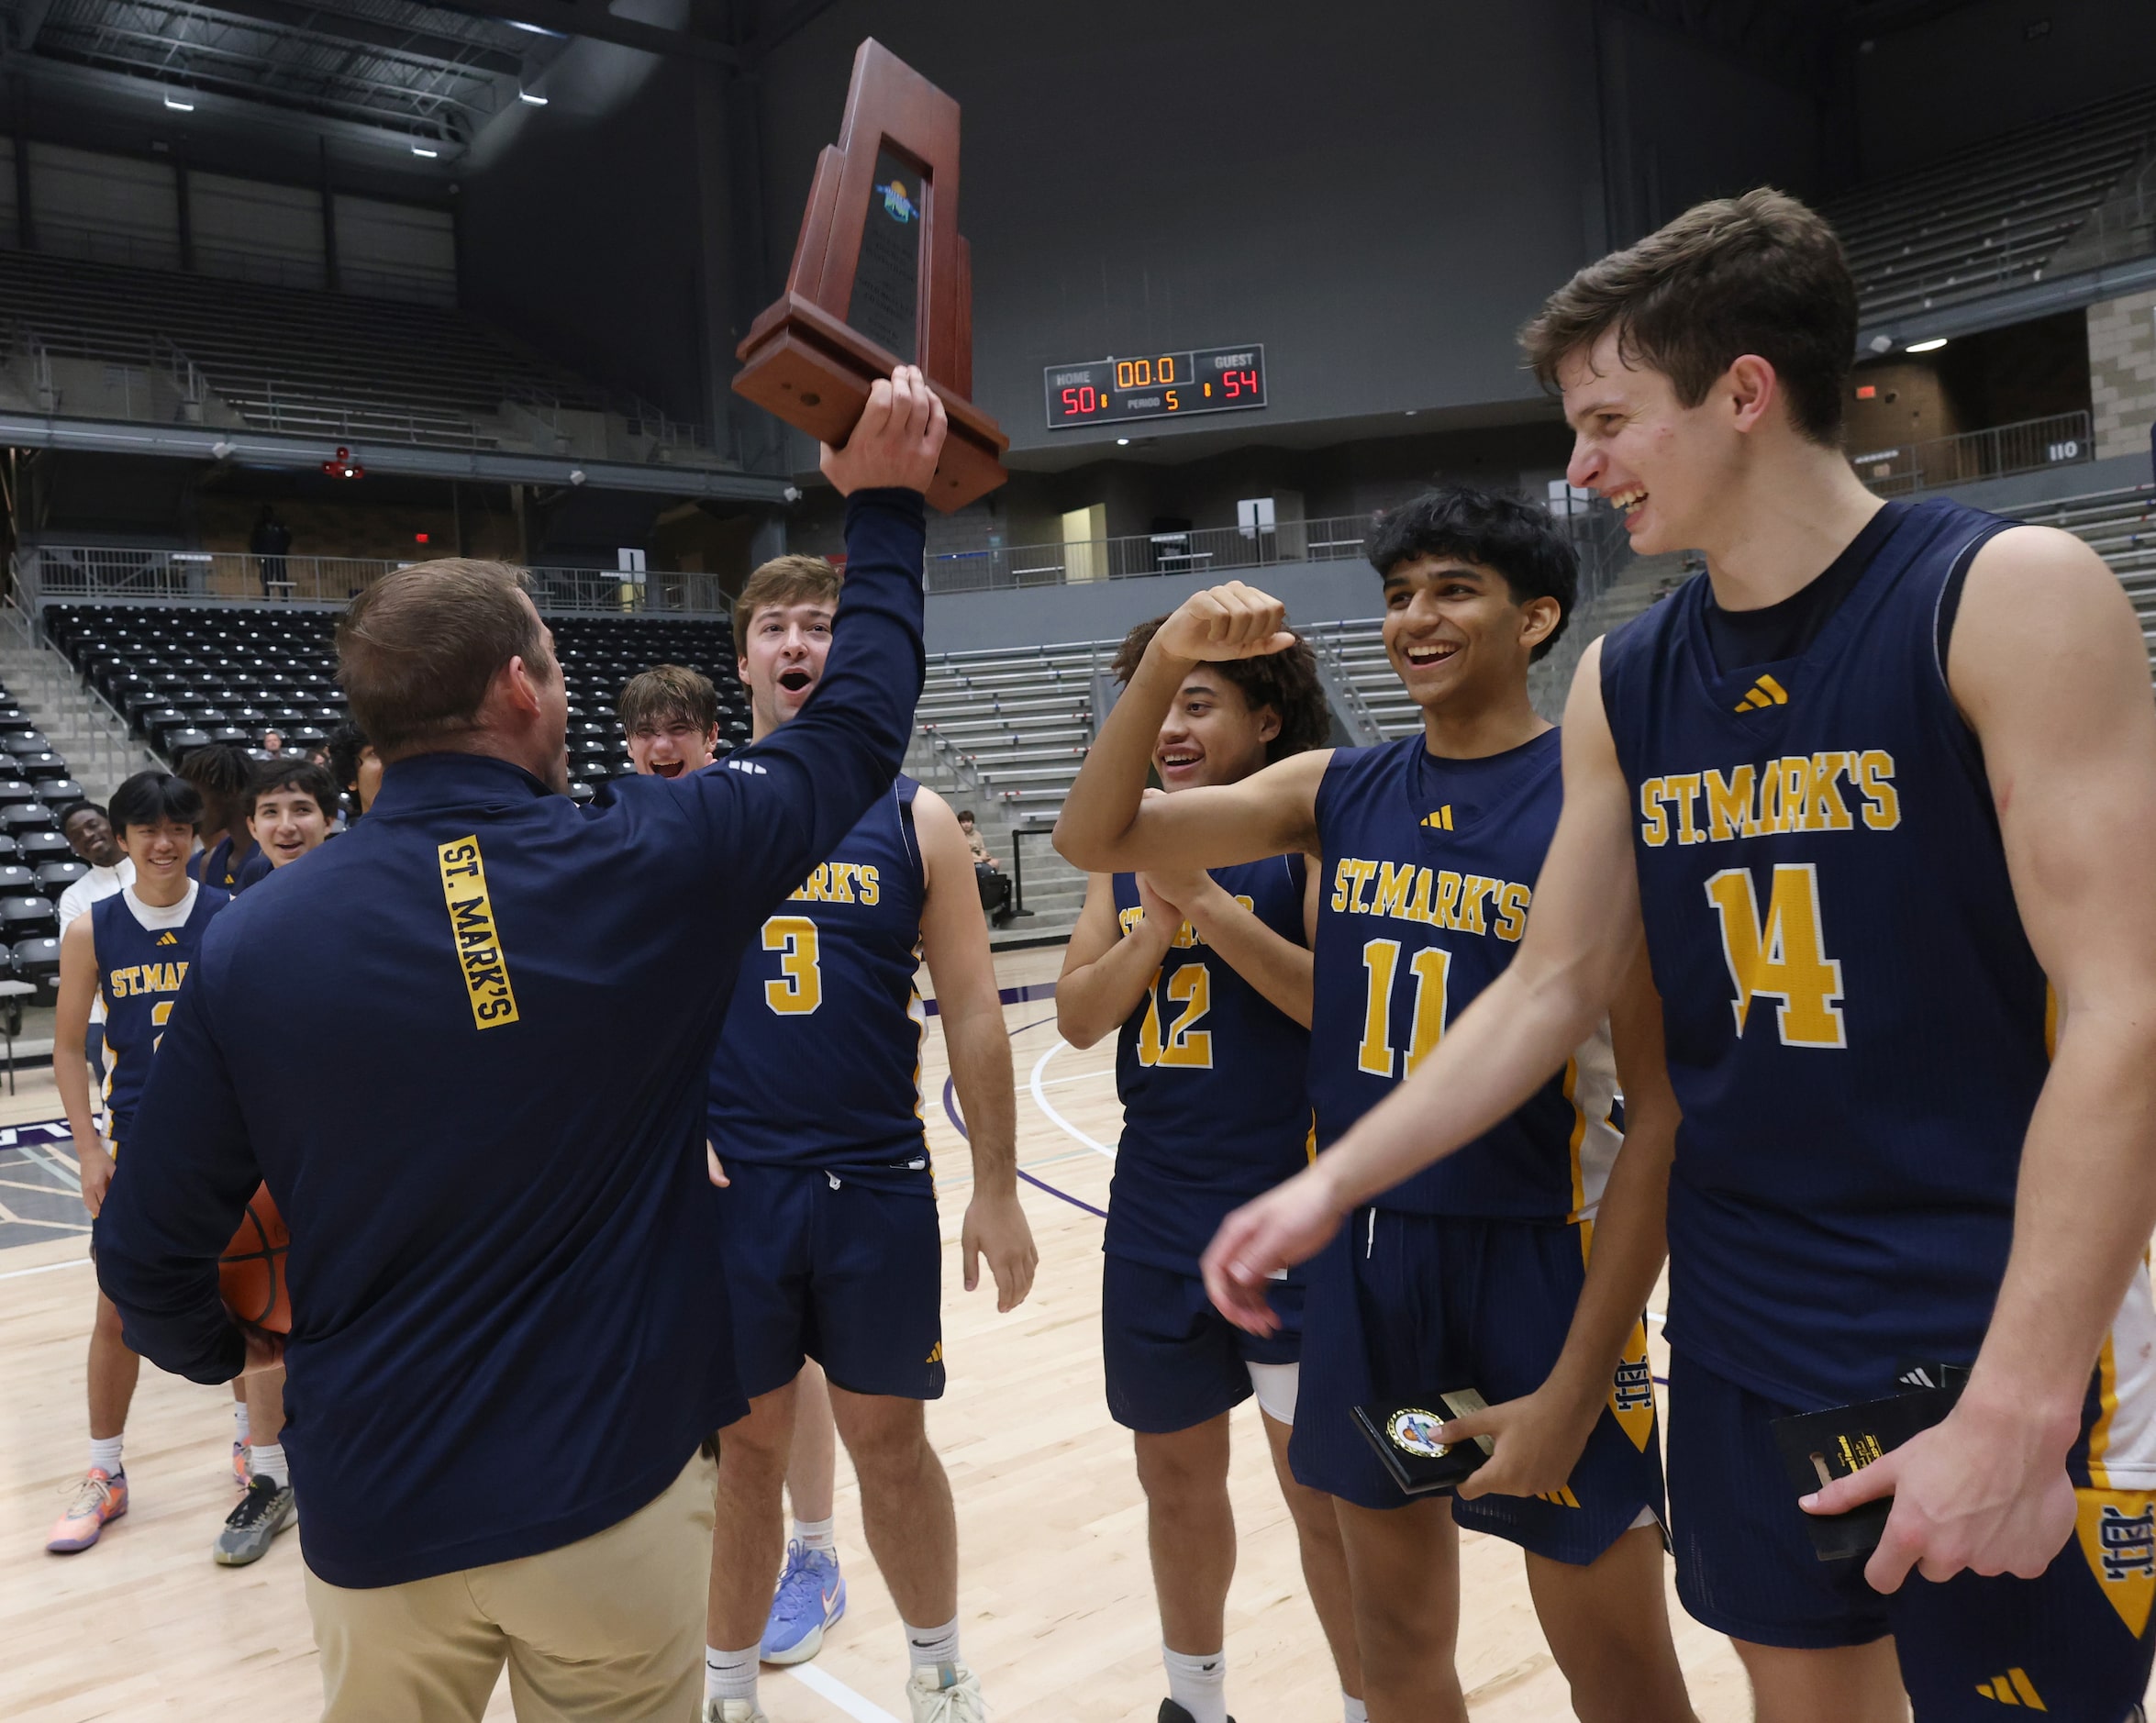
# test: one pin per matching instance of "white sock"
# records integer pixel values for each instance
(730, 1675)
(1199, 1685)
(239, 1422)
(926, 1647)
(1352, 1710)
(816, 1534)
(269, 1462)
(106, 1452)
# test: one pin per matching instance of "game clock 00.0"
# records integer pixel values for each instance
(1155, 385)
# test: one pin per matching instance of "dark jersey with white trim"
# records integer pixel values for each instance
(139, 972)
(1210, 1072)
(819, 1063)
(1857, 1027)
(1429, 870)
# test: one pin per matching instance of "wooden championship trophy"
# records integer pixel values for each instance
(881, 278)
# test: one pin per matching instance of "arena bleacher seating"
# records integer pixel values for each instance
(1991, 217)
(36, 865)
(278, 358)
(185, 678)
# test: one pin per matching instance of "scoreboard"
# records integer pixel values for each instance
(1155, 385)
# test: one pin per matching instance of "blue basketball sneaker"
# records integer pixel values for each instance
(811, 1596)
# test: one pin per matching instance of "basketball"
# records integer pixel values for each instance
(250, 1273)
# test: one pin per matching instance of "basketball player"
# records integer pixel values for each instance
(1480, 1276)
(832, 1246)
(132, 950)
(356, 767)
(1205, 979)
(1880, 789)
(88, 831)
(287, 818)
(224, 775)
(670, 720)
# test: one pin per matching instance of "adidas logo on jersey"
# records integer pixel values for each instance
(1561, 1497)
(2014, 1687)
(1765, 692)
(935, 1353)
(747, 765)
(168, 938)
(1441, 820)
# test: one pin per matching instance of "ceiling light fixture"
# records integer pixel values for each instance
(1932, 346)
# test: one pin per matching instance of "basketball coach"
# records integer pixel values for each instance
(510, 1342)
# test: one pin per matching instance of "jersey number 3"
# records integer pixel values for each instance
(800, 986)
(1784, 957)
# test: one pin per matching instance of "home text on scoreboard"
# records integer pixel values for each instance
(1155, 385)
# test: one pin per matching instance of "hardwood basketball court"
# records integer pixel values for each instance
(1055, 1600)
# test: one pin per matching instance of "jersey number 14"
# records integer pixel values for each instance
(1782, 957)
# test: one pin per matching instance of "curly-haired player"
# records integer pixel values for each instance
(1205, 979)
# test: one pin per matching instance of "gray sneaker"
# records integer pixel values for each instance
(263, 1512)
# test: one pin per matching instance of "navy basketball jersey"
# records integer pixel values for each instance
(1857, 1027)
(819, 1062)
(1430, 869)
(139, 971)
(1210, 1072)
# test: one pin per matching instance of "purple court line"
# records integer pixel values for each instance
(959, 1125)
(1013, 996)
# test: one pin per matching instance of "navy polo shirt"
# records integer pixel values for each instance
(467, 1048)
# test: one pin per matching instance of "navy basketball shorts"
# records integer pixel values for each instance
(820, 1266)
(1173, 1361)
(2075, 1643)
(1403, 1307)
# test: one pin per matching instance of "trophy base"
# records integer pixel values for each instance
(801, 364)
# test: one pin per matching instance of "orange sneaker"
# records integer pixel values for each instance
(102, 1497)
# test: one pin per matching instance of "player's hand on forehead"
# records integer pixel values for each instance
(1227, 621)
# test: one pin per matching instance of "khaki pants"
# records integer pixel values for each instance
(607, 1629)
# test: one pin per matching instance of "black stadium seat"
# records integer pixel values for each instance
(17, 881)
(57, 792)
(29, 918)
(55, 877)
(25, 817)
(41, 767)
(37, 962)
(16, 790)
(34, 848)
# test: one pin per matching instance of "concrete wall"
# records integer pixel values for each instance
(1979, 70)
(1380, 193)
(1101, 610)
(2122, 372)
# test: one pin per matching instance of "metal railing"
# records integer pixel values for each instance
(70, 573)
(2062, 439)
(1194, 551)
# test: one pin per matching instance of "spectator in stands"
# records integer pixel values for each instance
(225, 776)
(272, 741)
(995, 891)
(88, 831)
(518, 1212)
(270, 541)
(356, 767)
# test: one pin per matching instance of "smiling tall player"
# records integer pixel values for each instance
(1879, 792)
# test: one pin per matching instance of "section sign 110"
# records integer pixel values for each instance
(1155, 385)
